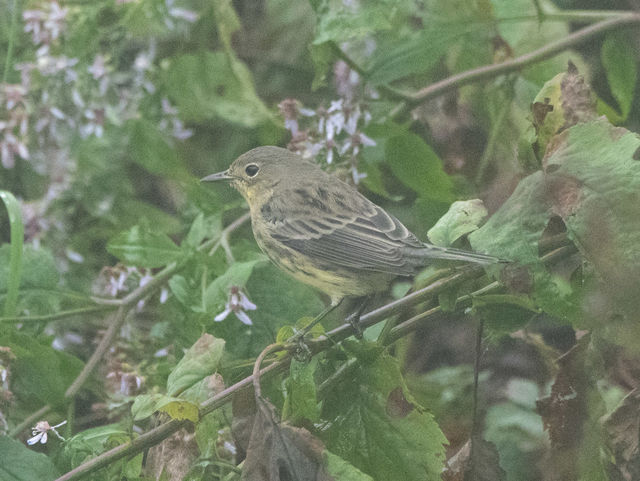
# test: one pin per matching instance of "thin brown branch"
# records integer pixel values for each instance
(495, 70)
(58, 315)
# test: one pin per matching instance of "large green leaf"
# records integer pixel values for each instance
(19, 463)
(149, 149)
(144, 248)
(338, 21)
(300, 395)
(592, 182)
(40, 374)
(39, 282)
(416, 164)
(462, 218)
(213, 84)
(200, 361)
(375, 425)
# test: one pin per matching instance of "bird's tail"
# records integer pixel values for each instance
(449, 253)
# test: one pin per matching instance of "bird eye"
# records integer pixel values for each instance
(251, 170)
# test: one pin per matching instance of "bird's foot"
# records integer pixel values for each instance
(354, 320)
(301, 351)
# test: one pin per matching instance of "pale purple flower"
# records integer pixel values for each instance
(164, 295)
(183, 14)
(14, 94)
(357, 176)
(40, 431)
(237, 303)
(45, 26)
(167, 108)
(98, 67)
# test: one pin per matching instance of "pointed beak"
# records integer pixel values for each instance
(215, 177)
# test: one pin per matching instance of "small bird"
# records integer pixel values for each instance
(325, 233)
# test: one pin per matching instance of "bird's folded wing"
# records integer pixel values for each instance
(374, 241)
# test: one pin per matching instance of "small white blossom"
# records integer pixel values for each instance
(39, 432)
(237, 303)
(98, 67)
(164, 295)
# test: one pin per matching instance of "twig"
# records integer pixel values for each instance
(475, 422)
(223, 240)
(105, 342)
(58, 315)
(257, 389)
(31, 420)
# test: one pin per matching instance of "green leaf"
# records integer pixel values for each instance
(592, 182)
(144, 248)
(180, 409)
(404, 56)
(185, 293)
(212, 84)
(94, 441)
(150, 150)
(202, 228)
(338, 21)
(462, 218)
(38, 268)
(200, 361)
(146, 18)
(217, 293)
(300, 395)
(414, 163)
(14, 271)
(514, 230)
(340, 469)
(504, 313)
(147, 404)
(562, 102)
(621, 67)
(19, 463)
(227, 21)
(375, 425)
(40, 374)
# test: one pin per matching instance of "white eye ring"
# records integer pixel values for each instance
(251, 170)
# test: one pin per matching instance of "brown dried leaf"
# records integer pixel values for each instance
(280, 452)
(477, 460)
(564, 411)
(623, 429)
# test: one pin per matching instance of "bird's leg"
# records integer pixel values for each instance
(354, 317)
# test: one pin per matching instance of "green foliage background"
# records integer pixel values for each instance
(118, 269)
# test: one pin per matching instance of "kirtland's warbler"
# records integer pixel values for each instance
(324, 232)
